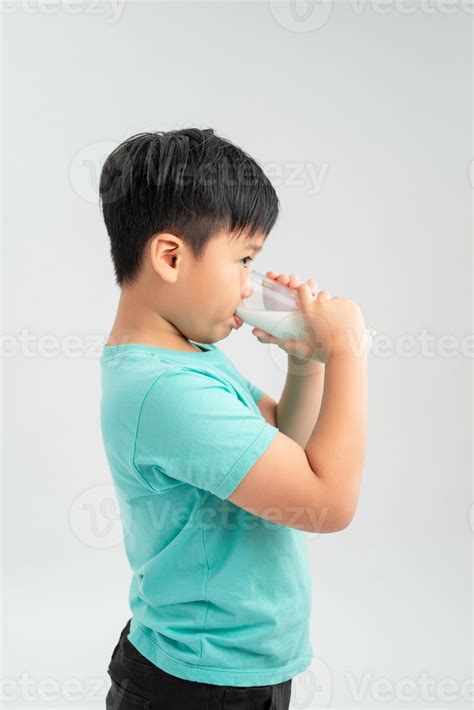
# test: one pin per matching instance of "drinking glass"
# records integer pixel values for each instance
(272, 307)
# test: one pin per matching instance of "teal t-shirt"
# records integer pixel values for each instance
(218, 595)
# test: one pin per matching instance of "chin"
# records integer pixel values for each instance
(206, 340)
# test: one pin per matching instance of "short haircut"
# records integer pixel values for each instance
(189, 182)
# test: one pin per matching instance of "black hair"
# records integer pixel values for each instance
(190, 182)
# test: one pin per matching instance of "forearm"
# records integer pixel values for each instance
(300, 401)
(336, 447)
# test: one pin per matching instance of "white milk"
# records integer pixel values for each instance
(281, 324)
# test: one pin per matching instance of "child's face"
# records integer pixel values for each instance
(212, 288)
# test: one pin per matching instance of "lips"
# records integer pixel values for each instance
(238, 321)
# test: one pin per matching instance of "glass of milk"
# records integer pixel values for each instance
(272, 307)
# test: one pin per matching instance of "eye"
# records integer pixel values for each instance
(247, 257)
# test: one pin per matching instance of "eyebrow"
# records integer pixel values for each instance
(255, 247)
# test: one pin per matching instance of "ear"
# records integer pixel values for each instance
(166, 252)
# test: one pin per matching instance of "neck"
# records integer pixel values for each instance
(137, 322)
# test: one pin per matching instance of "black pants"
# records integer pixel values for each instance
(137, 684)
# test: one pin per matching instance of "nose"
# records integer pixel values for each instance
(248, 290)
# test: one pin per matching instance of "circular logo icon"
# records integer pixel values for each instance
(96, 519)
(301, 15)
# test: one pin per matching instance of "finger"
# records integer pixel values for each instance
(297, 348)
(283, 279)
(265, 337)
(305, 295)
(273, 275)
(294, 280)
(324, 295)
(260, 333)
(314, 286)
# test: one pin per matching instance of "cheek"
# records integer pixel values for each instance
(228, 289)
(225, 280)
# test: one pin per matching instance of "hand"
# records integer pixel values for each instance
(328, 320)
(298, 353)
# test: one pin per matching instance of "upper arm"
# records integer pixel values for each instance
(282, 487)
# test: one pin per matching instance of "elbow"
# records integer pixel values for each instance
(344, 523)
(346, 516)
(335, 507)
(335, 519)
(335, 525)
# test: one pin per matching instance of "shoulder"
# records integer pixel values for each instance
(187, 382)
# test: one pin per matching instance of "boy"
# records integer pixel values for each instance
(217, 483)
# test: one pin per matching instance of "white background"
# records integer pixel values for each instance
(378, 105)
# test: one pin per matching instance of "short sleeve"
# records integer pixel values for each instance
(194, 428)
(255, 391)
